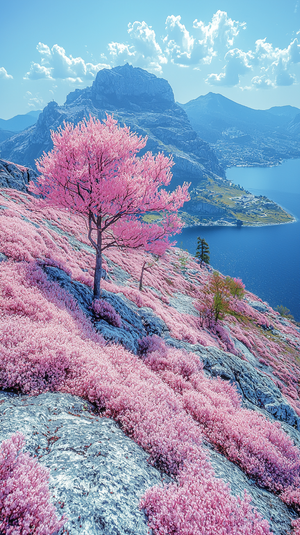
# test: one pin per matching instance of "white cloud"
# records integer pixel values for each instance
(283, 77)
(261, 82)
(208, 40)
(144, 51)
(38, 71)
(4, 74)
(237, 64)
(179, 43)
(55, 64)
(220, 32)
(277, 63)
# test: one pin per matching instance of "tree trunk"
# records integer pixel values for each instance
(98, 267)
(141, 277)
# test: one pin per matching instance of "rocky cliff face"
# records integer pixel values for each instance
(15, 176)
(137, 98)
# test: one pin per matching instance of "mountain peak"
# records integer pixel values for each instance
(131, 87)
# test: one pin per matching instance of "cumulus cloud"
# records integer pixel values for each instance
(179, 43)
(220, 32)
(144, 50)
(4, 74)
(207, 41)
(261, 82)
(277, 63)
(237, 64)
(55, 64)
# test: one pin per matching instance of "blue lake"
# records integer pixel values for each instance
(267, 259)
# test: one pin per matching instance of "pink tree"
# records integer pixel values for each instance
(93, 170)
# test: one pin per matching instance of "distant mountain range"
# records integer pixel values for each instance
(193, 133)
(242, 135)
(9, 127)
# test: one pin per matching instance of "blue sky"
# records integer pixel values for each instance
(247, 51)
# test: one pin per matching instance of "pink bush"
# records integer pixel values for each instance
(197, 508)
(106, 311)
(25, 506)
(148, 344)
(257, 445)
(296, 525)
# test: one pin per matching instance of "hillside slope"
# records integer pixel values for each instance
(207, 405)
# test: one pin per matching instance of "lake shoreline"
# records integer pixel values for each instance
(295, 220)
(268, 259)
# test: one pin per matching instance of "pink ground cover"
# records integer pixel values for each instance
(25, 506)
(117, 381)
(163, 402)
(258, 446)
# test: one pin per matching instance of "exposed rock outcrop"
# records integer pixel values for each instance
(15, 176)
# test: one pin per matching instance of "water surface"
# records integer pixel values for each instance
(267, 259)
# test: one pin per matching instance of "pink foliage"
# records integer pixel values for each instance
(148, 344)
(195, 507)
(93, 170)
(163, 401)
(257, 445)
(25, 506)
(106, 311)
(296, 525)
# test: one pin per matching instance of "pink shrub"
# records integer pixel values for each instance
(25, 506)
(257, 445)
(296, 525)
(148, 344)
(291, 496)
(197, 508)
(106, 311)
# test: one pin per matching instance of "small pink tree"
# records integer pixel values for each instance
(93, 170)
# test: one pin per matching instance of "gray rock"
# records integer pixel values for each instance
(128, 338)
(3, 257)
(15, 176)
(183, 303)
(257, 305)
(152, 323)
(97, 472)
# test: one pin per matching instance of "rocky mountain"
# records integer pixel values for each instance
(163, 407)
(15, 176)
(5, 134)
(146, 104)
(137, 98)
(9, 127)
(242, 135)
